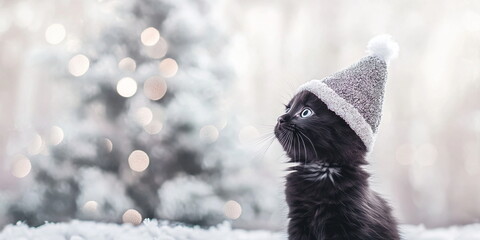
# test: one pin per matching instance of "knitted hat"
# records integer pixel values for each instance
(356, 93)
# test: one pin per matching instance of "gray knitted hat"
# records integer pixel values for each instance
(356, 93)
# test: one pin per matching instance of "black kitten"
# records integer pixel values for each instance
(328, 192)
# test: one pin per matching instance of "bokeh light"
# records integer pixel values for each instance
(138, 161)
(248, 134)
(209, 133)
(232, 209)
(56, 135)
(154, 127)
(108, 144)
(55, 34)
(90, 206)
(155, 88)
(127, 64)
(158, 50)
(143, 116)
(21, 167)
(168, 67)
(132, 216)
(150, 36)
(78, 65)
(35, 145)
(126, 87)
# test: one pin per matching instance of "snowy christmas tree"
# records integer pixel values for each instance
(149, 132)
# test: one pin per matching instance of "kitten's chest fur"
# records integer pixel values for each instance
(335, 202)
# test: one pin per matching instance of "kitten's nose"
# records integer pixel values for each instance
(281, 119)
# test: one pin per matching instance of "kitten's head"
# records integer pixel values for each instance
(310, 132)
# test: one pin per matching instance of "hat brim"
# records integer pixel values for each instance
(343, 109)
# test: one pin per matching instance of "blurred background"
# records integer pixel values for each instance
(118, 111)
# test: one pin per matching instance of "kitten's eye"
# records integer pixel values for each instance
(307, 112)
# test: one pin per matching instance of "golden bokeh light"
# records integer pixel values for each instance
(35, 146)
(90, 206)
(126, 87)
(168, 67)
(154, 127)
(209, 133)
(21, 167)
(143, 116)
(78, 65)
(232, 209)
(132, 216)
(248, 134)
(138, 161)
(150, 36)
(158, 50)
(154, 88)
(56, 135)
(127, 64)
(55, 33)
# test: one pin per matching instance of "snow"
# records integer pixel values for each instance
(158, 230)
(468, 232)
(149, 229)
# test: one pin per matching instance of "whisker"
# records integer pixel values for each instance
(265, 125)
(265, 143)
(261, 152)
(283, 138)
(262, 138)
(289, 143)
(313, 146)
(293, 146)
(305, 148)
(298, 150)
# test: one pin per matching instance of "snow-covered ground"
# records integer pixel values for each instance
(149, 229)
(152, 229)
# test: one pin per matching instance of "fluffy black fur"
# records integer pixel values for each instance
(328, 192)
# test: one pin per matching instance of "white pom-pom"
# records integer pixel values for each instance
(383, 47)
